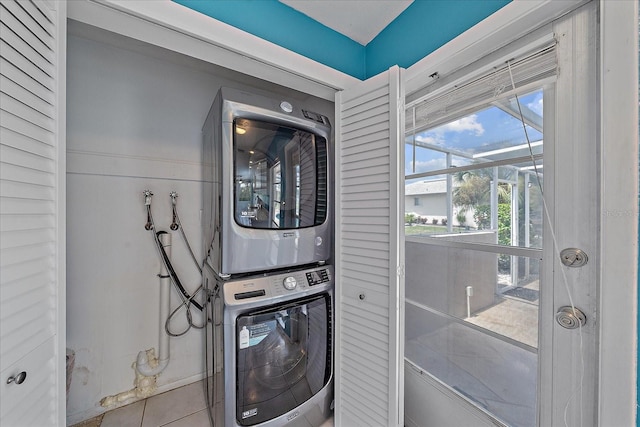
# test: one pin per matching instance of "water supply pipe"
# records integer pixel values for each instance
(146, 363)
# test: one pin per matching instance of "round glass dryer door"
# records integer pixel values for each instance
(280, 176)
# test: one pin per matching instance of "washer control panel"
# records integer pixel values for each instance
(318, 276)
(290, 283)
(264, 287)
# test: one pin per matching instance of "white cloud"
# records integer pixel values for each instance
(425, 166)
(429, 139)
(536, 105)
(465, 124)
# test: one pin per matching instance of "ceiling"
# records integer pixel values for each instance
(360, 20)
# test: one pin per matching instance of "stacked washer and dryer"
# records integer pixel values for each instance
(267, 238)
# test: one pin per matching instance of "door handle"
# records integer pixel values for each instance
(17, 379)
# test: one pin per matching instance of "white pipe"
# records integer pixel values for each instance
(154, 366)
(469, 295)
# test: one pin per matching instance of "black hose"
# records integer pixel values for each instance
(211, 390)
(172, 272)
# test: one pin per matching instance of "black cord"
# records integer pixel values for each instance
(187, 299)
(172, 272)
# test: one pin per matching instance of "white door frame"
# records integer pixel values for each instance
(61, 208)
(617, 148)
(618, 333)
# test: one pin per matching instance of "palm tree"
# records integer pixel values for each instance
(474, 189)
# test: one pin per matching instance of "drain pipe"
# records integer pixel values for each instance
(147, 364)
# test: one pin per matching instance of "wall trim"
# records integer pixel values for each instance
(172, 26)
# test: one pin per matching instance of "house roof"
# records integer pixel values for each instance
(426, 187)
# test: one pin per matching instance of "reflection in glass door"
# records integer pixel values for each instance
(281, 176)
(276, 194)
(473, 227)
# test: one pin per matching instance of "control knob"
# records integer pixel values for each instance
(290, 283)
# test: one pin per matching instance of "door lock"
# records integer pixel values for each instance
(573, 257)
(570, 317)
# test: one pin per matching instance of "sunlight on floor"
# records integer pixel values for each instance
(513, 317)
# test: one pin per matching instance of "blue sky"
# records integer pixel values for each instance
(485, 130)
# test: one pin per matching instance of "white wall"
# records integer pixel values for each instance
(430, 205)
(451, 410)
(134, 121)
(438, 276)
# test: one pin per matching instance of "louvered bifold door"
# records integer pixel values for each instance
(32, 81)
(369, 252)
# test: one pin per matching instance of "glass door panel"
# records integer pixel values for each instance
(280, 174)
(473, 233)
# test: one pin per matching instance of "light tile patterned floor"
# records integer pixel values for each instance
(181, 407)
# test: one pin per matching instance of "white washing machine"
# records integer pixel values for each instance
(270, 348)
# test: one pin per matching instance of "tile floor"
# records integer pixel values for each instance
(181, 407)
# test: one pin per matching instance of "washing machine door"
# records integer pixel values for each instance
(283, 358)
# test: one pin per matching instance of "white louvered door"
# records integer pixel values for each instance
(32, 93)
(369, 252)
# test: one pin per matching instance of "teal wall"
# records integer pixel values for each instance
(422, 28)
(286, 27)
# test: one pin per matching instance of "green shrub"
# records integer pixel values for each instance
(409, 219)
(504, 234)
(482, 216)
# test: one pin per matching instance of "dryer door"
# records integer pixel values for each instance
(280, 176)
(283, 357)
